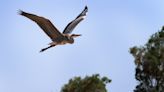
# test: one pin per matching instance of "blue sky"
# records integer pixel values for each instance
(109, 30)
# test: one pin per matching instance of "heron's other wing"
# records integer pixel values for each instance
(69, 28)
(45, 24)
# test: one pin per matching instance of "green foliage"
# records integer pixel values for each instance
(149, 61)
(87, 84)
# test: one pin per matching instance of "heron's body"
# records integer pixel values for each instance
(66, 39)
(57, 37)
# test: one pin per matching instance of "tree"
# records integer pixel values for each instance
(88, 84)
(149, 61)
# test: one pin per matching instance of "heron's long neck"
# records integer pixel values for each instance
(69, 38)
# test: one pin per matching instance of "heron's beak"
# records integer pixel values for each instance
(75, 35)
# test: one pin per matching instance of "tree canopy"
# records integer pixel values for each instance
(88, 84)
(149, 61)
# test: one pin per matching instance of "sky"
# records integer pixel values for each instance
(109, 30)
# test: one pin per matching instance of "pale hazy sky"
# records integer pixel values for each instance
(109, 30)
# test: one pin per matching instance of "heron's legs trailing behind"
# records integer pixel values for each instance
(47, 48)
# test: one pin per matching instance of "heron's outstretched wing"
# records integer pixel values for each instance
(45, 24)
(69, 28)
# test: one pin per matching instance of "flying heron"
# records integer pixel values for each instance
(55, 35)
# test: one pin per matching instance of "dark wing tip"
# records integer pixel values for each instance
(86, 7)
(20, 12)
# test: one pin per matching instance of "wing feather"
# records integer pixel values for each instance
(45, 24)
(69, 28)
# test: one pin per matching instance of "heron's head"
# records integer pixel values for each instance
(75, 35)
(70, 38)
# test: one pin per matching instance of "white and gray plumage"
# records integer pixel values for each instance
(56, 36)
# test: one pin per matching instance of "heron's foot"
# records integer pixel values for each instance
(46, 48)
(43, 49)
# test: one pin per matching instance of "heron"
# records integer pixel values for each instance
(55, 35)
